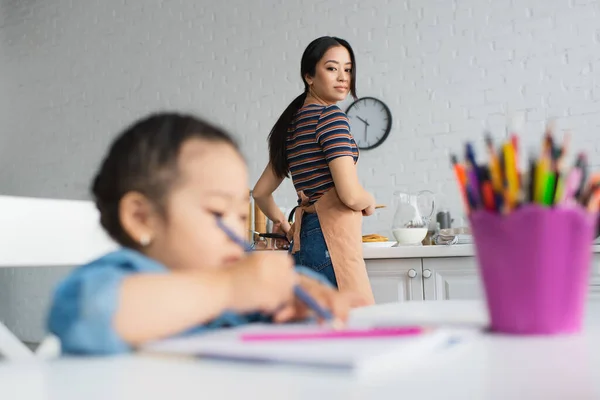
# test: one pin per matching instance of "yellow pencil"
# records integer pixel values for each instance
(512, 176)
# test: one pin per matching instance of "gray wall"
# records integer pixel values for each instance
(74, 72)
(24, 294)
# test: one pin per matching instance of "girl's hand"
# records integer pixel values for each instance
(263, 281)
(337, 303)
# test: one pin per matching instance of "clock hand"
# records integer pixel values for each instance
(365, 122)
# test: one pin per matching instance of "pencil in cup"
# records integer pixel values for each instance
(542, 234)
(546, 182)
(548, 249)
(300, 293)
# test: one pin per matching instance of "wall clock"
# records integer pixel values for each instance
(370, 122)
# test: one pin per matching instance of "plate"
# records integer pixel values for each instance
(378, 244)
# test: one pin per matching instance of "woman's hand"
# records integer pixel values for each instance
(370, 210)
(282, 228)
(337, 303)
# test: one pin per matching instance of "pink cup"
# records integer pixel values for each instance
(535, 267)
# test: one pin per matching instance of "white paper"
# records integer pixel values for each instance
(363, 355)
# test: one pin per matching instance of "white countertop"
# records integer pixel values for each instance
(487, 367)
(455, 250)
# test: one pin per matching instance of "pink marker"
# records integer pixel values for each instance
(342, 334)
(571, 185)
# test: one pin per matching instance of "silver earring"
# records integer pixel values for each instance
(145, 240)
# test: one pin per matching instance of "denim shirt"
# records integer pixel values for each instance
(84, 304)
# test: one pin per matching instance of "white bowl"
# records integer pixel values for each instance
(409, 235)
(378, 244)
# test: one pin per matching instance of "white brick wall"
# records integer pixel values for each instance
(73, 73)
(78, 71)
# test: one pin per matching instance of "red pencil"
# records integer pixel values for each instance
(461, 178)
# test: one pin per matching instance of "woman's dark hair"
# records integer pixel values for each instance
(278, 136)
(143, 158)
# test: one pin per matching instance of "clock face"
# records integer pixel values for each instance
(370, 122)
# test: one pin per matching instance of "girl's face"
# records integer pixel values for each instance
(333, 76)
(212, 182)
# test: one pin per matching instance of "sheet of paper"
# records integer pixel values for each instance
(362, 355)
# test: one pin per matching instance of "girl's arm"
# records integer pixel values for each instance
(152, 306)
(110, 307)
(155, 306)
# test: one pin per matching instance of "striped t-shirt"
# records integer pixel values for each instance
(317, 135)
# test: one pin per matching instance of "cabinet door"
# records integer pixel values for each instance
(595, 269)
(594, 293)
(394, 280)
(451, 278)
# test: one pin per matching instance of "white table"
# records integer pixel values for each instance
(490, 367)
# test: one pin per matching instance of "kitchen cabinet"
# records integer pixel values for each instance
(451, 278)
(594, 293)
(410, 279)
(595, 269)
(395, 280)
(437, 273)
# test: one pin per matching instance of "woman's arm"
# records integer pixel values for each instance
(345, 179)
(263, 196)
(334, 137)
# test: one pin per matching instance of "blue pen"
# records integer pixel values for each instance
(312, 304)
(245, 245)
(298, 291)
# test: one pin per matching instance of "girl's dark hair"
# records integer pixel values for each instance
(143, 158)
(278, 136)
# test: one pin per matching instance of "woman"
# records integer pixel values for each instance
(311, 140)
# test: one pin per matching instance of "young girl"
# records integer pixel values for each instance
(166, 189)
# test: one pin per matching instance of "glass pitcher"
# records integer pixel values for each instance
(413, 213)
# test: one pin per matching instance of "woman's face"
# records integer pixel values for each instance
(333, 76)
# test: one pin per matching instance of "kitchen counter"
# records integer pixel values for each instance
(455, 250)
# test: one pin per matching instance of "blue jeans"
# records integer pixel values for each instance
(313, 252)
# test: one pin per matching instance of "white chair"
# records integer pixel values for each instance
(36, 232)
